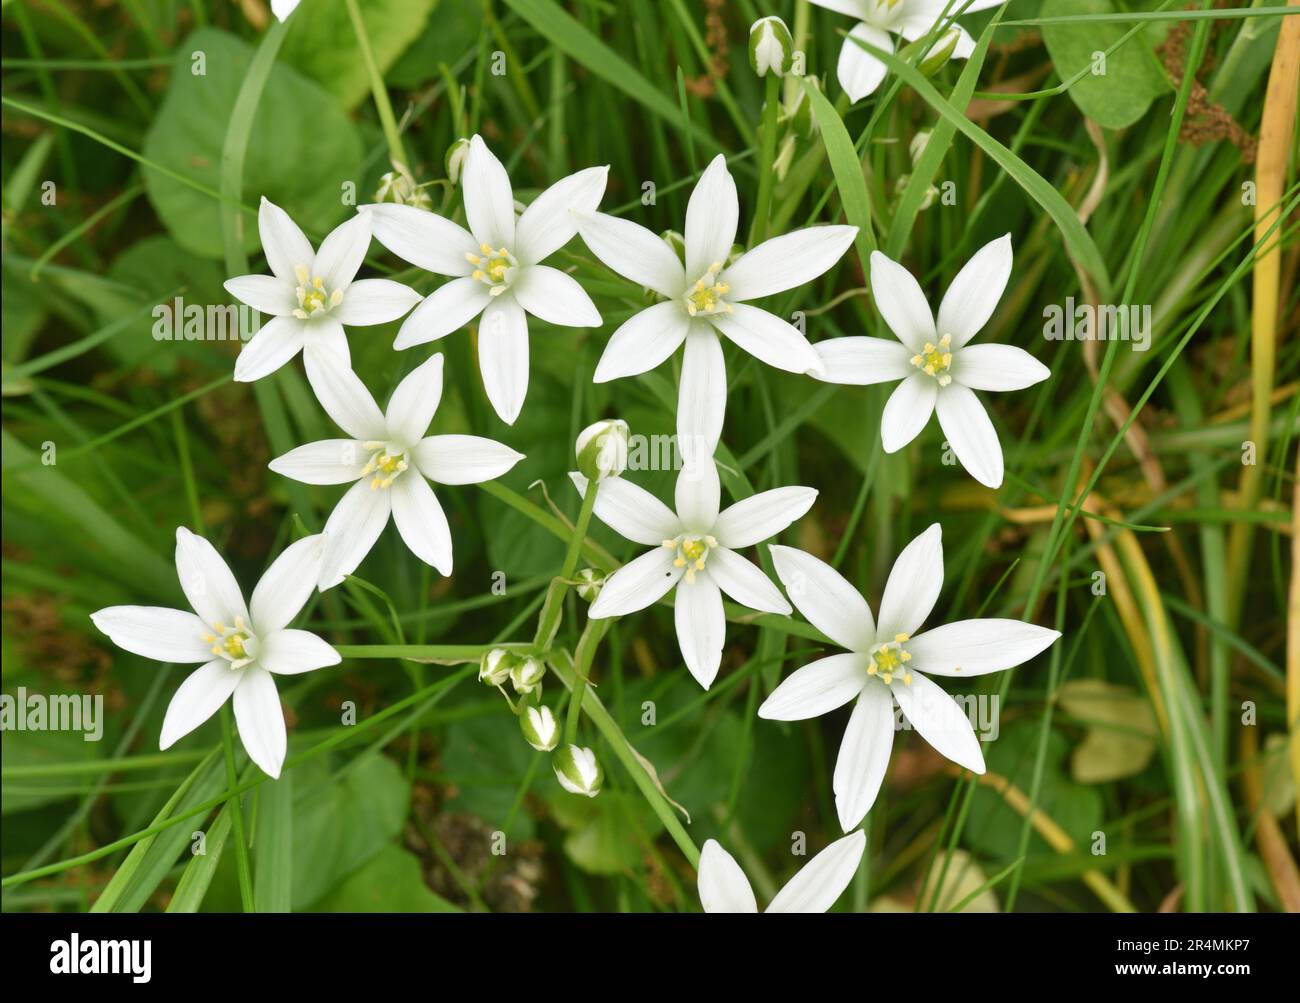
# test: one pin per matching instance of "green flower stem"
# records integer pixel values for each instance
(446, 653)
(596, 555)
(766, 167)
(396, 153)
(242, 864)
(580, 529)
(584, 655)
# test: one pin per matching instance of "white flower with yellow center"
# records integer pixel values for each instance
(311, 295)
(889, 661)
(241, 646)
(695, 551)
(389, 458)
(938, 367)
(705, 300)
(859, 72)
(496, 268)
(723, 886)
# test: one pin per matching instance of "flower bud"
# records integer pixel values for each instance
(771, 48)
(589, 583)
(675, 241)
(602, 449)
(540, 728)
(937, 57)
(527, 674)
(399, 186)
(495, 665)
(918, 144)
(578, 771)
(456, 154)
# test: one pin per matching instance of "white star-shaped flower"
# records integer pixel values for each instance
(496, 268)
(695, 551)
(938, 367)
(888, 661)
(704, 298)
(724, 888)
(311, 295)
(240, 645)
(859, 72)
(389, 457)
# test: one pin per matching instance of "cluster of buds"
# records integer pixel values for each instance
(500, 666)
(601, 449)
(399, 185)
(914, 150)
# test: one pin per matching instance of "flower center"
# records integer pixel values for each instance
(936, 360)
(705, 297)
(236, 644)
(692, 553)
(890, 659)
(386, 463)
(313, 296)
(495, 269)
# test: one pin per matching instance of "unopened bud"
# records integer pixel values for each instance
(938, 57)
(602, 449)
(771, 47)
(540, 728)
(455, 161)
(578, 771)
(527, 674)
(589, 583)
(495, 665)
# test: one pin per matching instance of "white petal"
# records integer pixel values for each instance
(351, 530)
(643, 341)
(913, 585)
(421, 521)
(969, 301)
(862, 361)
(555, 297)
(423, 238)
(853, 8)
(197, 699)
(284, 588)
(976, 647)
(631, 511)
(787, 262)
(970, 433)
(907, 411)
(346, 400)
(290, 652)
(997, 367)
(864, 755)
(817, 688)
(549, 223)
(411, 408)
(760, 517)
(712, 214)
(325, 342)
(329, 461)
(375, 301)
(939, 719)
(701, 627)
(278, 341)
(825, 598)
(260, 720)
(634, 252)
(266, 293)
(636, 585)
(166, 635)
(702, 395)
(745, 582)
(722, 884)
(823, 879)
(769, 338)
(463, 459)
(448, 308)
(283, 242)
(859, 72)
(206, 580)
(342, 251)
(503, 356)
(697, 495)
(900, 301)
(489, 199)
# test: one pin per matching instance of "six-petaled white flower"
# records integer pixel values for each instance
(939, 370)
(888, 660)
(496, 268)
(724, 888)
(240, 645)
(695, 550)
(704, 298)
(311, 295)
(859, 72)
(389, 458)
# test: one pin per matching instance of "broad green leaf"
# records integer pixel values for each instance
(606, 834)
(273, 845)
(1119, 88)
(202, 868)
(391, 882)
(1121, 735)
(302, 150)
(321, 42)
